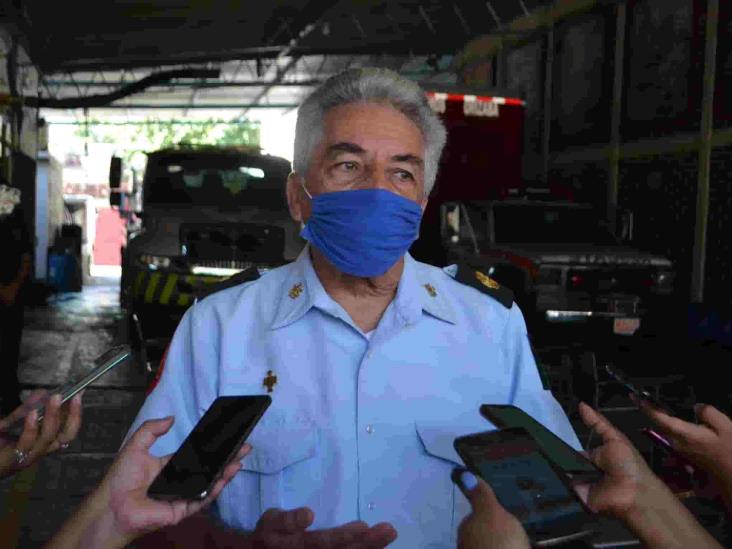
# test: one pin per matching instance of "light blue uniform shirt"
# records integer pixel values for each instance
(358, 429)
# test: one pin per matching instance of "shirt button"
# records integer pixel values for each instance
(371, 506)
(369, 354)
(369, 429)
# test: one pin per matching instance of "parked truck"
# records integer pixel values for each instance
(206, 213)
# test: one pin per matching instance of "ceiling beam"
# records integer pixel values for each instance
(211, 106)
(312, 17)
(102, 100)
(428, 47)
(485, 47)
(196, 85)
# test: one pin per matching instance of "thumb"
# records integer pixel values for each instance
(479, 493)
(150, 431)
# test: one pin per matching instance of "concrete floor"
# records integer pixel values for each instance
(60, 341)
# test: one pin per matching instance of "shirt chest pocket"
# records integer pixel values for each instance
(437, 439)
(283, 455)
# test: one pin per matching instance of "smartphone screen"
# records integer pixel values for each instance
(214, 441)
(525, 483)
(574, 464)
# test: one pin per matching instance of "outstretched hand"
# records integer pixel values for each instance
(278, 529)
(131, 511)
(707, 445)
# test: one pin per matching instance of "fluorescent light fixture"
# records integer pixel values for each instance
(214, 271)
(257, 173)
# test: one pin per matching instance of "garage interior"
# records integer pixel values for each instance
(623, 109)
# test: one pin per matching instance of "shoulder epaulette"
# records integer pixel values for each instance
(480, 281)
(247, 275)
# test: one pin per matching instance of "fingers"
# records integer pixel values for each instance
(50, 425)
(149, 432)
(712, 417)
(378, 536)
(73, 420)
(228, 473)
(286, 522)
(348, 535)
(677, 428)
(30, 433)
(597, 422)
(243, 452)
(36, 398)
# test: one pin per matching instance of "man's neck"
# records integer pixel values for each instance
(364, 299)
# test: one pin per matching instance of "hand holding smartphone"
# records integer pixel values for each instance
(102, 365)
(217, 437)
(574, 465)
(527, 485)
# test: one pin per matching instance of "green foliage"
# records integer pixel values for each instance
(133, 140)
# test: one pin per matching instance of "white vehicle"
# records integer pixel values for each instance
(207, 213)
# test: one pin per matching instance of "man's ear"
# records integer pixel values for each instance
(294, 190)
(425, 199)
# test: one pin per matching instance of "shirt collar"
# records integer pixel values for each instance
(302, 290)
(420, 292)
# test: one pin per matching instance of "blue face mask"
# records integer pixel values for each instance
(362, 232)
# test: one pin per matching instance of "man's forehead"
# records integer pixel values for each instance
(370, 126)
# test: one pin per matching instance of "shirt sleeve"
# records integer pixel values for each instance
(528, 392)
(187, 385)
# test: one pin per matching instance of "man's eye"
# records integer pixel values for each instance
(404, 175)
(347, 166)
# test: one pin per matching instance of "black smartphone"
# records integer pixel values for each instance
(642, 394)
(214, 441)
(577, 467)
(103, 364)
(527, 484)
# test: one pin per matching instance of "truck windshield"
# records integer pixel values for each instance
(215, 180)
(516, 223)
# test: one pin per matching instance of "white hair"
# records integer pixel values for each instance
(370, 85)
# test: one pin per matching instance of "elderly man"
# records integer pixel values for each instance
(374, 362)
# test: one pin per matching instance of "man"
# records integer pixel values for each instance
(15, 262)
(374, 362)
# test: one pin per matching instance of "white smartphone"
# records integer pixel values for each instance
(102, 364)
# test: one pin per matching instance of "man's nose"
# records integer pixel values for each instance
(376, 178)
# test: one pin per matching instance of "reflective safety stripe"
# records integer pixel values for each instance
(152, 284)
(187, 299)
(138, 282)
(168, 288)
(163, 288)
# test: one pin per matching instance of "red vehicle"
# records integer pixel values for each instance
(481, 160)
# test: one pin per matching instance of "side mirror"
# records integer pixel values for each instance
(115, 173)
(450, 223)
(625, 225)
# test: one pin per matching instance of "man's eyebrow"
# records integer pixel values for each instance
(410, 158)
(345, 146)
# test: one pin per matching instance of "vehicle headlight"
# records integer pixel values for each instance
(663, 282)
(155, 262)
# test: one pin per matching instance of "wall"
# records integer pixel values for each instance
(631, 135)
(49, 209)
(27, 83)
